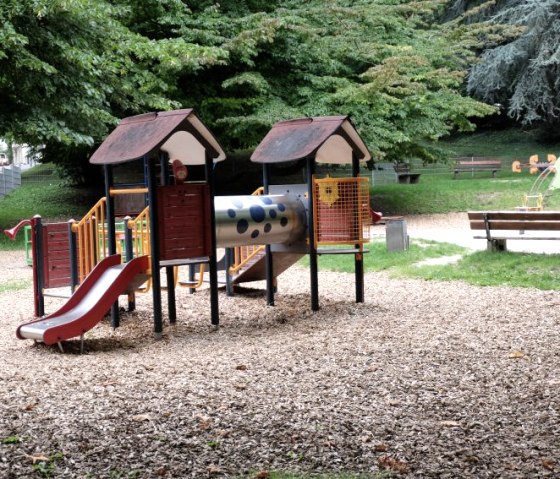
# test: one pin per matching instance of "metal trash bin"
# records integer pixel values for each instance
(395, 233)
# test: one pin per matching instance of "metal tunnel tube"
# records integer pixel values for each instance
(258, 220)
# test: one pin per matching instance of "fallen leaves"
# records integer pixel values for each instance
(391, 464)
(38, 457)
(516, 355)
(549, 464)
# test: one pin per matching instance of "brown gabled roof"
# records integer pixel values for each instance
(140, 135)
(330, 139)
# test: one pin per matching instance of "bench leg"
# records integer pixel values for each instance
(497, 245)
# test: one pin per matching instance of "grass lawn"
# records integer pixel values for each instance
(42, 193)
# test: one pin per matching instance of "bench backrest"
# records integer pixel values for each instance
(478, 163)
(515, 220)
(402, 167)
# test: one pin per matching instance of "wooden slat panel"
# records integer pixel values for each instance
(517, 225)
(184, 216)
(516, 215)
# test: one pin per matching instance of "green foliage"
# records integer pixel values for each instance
(70, 68)
(387, 63)
(47, 468)
(12, 440)
(486, 268)
(47, 196)
(14, 286)
(379, 259)
(440, 193)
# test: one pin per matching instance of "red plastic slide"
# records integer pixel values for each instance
(91, 301)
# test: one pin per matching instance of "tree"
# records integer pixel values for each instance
(523, 75)
(387, 63)
(69, 69)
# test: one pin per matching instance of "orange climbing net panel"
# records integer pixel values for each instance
(341, 210)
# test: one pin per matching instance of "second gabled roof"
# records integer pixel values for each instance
(330, 139)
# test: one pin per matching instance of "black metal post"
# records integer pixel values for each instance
(128, 240)
(228, 260)
(191, 278)
(269, 265)
(213, 266)
(171, 306)
(73, 256)
(111, 236)
(129, 255)
(38, 257)
(358, 257)
(154, 245)
(313, 264)
(169, 270)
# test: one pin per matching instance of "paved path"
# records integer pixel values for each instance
(454, 228)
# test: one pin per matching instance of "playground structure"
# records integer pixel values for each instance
(184, 223)
(534, 200)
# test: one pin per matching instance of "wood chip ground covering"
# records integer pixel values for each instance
(423, 380)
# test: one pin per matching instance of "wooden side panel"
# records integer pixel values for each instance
(56, 260)
(184, 215)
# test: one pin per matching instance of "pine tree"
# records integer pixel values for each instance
(523, 75)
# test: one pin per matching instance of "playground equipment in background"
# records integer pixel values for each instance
(185, 223)
(534, 200)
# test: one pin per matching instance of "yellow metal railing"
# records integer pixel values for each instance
(242, 255)
(91, 234)
(140, 227)
(91, 246)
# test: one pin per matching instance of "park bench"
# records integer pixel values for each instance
(476, 164)
(499, 226)
(404, 175)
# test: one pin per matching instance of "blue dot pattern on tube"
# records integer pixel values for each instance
(258, 215)
(242, 226)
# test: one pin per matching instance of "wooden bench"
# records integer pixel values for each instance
(500, 226)
(476, 164)
(404, 175)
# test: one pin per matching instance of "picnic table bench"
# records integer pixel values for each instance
(499, 226)
(404, 174)
(476, 164)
